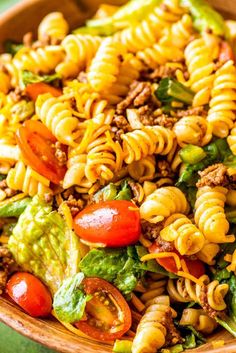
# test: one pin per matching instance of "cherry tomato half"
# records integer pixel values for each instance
(37, 146)
(112, 223)
(33, 90)
(226, 52)
(107, 315)
(30, 294)
(196, 267)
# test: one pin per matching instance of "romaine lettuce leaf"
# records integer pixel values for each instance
(42, 244)
(70, 300)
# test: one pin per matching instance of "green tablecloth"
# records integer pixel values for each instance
(10, 341)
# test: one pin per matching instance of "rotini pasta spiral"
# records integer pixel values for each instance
(80, 50)
(162, 203)
(105, 159)
(25, 179)
(145, 34)
(223, 102)
(90, 104)
(142, 170)
(53, 25)
(193, 130)
(184, 290)
(57, 116)
(231, 139)
(5, 82)
(105, 66)
(41, 60)
(187, 238)
(200, 55)
(149, 140)
(151, 331)
(75, 174)
(170, 45)
(208, 253)
(199, 320)
(210, 216)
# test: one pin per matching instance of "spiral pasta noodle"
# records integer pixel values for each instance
(231, 139)
(210, 216)
(57, 116)
(149, 140)
(187, 238)
(41, 60)
(105, 66)
(193, 130)
(151, 331)
(75, 174)
(223, 102)
(142, 170)
(184, 290)
(145, 34)
(199, 56)
(162, 203)
(199, 320)
(25, 179)
(53, 25)
(208, 253)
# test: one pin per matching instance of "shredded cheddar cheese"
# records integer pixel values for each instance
(162, 255)
(190, 277)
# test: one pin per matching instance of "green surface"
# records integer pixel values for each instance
(10, 341)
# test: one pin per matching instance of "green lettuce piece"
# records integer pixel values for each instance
(29, 77)
(133, 11)
(42, 244)
(114, 192)
(121, 266)
(15, 208)
(70, 300)
(170, 90)
(122, 346)
(205, 17)
(178, 348)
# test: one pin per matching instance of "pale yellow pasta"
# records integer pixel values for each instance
(149, 140)
(142, 170)
(105, 66)
(210, 215)
(75, 174)
(231, 139)
(187, 238)
(162, 203)
(200, 55)
(223, 100)
(199, 319)
(151, 331)
(41, 60)
(57, 116)
(194, 130)
(184, 290)
(23, 178)
(53, 26)
(144, 34)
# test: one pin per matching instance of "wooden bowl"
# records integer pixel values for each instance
(22, 18)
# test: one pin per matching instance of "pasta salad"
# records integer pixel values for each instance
(118, 174)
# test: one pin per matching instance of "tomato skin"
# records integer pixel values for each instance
(33, 90)
(92, 285)
(35, 142)
(112, 223)
(226, 52)
(195, 267)
(30, 294)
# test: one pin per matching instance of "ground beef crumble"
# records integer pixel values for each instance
(173, 335)
(214, 175)
(60, 154)
(200, 111)
(138, 95)
(6, 265)
(75, 205)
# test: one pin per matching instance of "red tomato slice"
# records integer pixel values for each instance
(195, 267)
(33, 90)
(37, 146)
(112, 223)
(30, 294)
(108, 315)
(226, 52)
